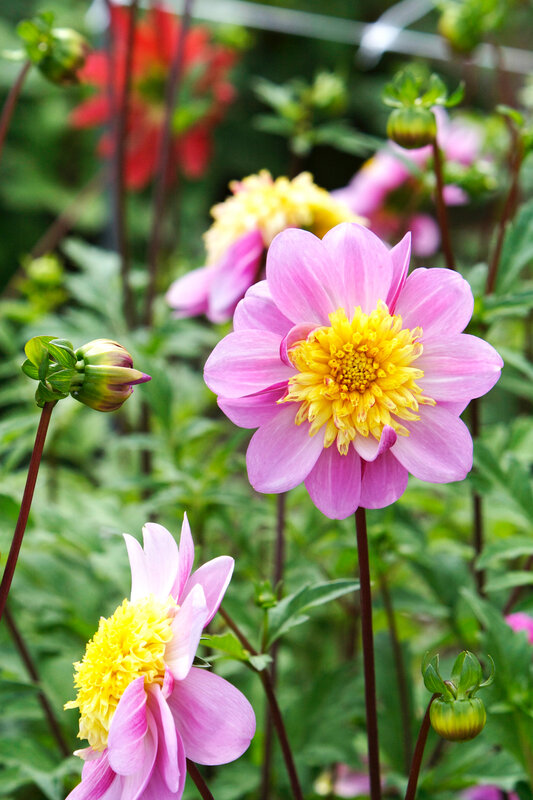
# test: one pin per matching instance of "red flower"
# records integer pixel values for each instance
(204, 93)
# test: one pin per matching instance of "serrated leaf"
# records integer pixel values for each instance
(291, 611)
(261, 661)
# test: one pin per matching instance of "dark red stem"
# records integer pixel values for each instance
(25, 506)
(368, 655)
(442, 214)
(418, 754)
(201, 785)
(160, 189)
(11, 102)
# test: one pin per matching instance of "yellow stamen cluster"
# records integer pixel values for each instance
(355, 377)
(259, 202)
(126, 646)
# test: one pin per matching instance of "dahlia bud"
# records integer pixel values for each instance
(412, 127)
(105, 375)
(456, 714)
(59, 53)
(461, 28)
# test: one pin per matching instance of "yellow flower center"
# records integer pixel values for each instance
(259, 202)
(126, 646)
(356, 377)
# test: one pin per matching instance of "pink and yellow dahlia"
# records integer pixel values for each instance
(143, 707)
(245, 225)
(353, 372)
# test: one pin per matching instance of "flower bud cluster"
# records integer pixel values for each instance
(456, 713)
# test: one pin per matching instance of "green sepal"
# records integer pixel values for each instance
(30, 370)
(490, 679)
(466, 673)
(432, 678)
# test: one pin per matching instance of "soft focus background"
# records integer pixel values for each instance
(306, 98)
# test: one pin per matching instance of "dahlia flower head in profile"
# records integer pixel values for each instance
(245, 225)
(354, 373)
(143, 707)
(390, 192)
(206, 92)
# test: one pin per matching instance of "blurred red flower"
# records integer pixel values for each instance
(205, 92)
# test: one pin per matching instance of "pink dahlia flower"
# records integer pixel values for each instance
(143, 707)
(353, 373)
(521, 622)
(392, 181)
(486, 793)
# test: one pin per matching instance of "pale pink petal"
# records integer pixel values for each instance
(187, 628)
(134, 785)
(186, 559)
(454, 195)
(364, 263)
(383, 482)
(400, 256)
(439, 300)
(334, 483)
(245, 362)
(370, 448)
(98, 782)
(305, 282)
(281, 454)
(298, 333)
(455, 407)
(127, 730)
(215, 720)
(168, 754)
(161, 558)
(439, 447)
(236, 271)
(257, 311)
(139, 572)
(88, 754)
(189, 295)
(213, 577)
(254, 409)
(426, 235)
(458, 368)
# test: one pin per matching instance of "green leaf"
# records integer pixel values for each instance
(36, 349)
(517, 251)
(260, 661)
(456, 97)
(228, 644)
(291, 611)
(509, 580)
(62, 352)
(30, 370)
(505, 549)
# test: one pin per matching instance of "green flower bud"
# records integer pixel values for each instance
(461, 29)
(458, 720)
(104, 375)
(412, 127)
(65, 56)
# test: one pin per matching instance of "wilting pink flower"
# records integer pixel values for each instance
(486, 793)
(521, 622)
(354, 373)
(143, 707)
(390, 192)
(245, 224)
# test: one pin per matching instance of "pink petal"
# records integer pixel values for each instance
(169, 752)
(161, 558)
(237, 270)
(134, 785)
(521, 621)
(213, 577)
(334, 483)
(128, 729)
(305, 282)
(98, 782)
(215, 720)
(257, 311)
(383, 482)
(369, 448)
(454, 196)
(439, 300)
(400, 256)
(297, 333)
(186, 559)
(439, 447)
(189, 295)
(426, 235)
(254, 409)
(364, 263)
(139, 573)
(245, 362)
(281, 454)
(187, 628)
(459, 367)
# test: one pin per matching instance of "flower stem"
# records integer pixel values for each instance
(11, 102)
(275, 712)
(441, 208)
(25, 655)
(418, 754)
(119, 182)
(160, 189)
(25, 506)
(201, 785)
(277, 576)
(368, 655)
(401, 675)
